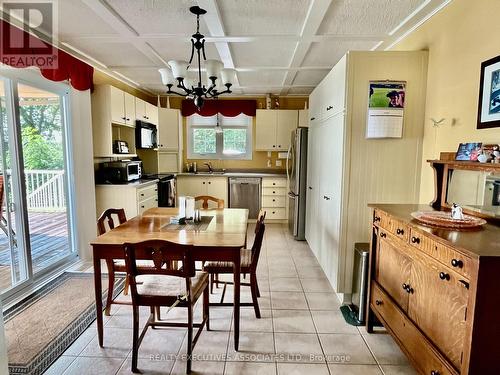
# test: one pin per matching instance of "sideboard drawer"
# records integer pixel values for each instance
(453, 259)
(381, 218)
(422, 242)
(399, 229)
(424, 355)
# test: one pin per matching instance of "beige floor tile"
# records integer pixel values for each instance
(162, 342)
(308, 272)
(117, 344)
(198, 367)
(123, 317)
(322, 301)
(250, 368)
(81, 342)
(316, 285)
(281, 261)
(296, 321)
(60, 364)
(302, 368)
(211, 346)
(332, 322)
(342, 348)
(385, 349)
(94, 366)
(249, 323)
(298, 347)
(285, 284)
(253, 347)
(347, 369)
(147, 366)
(398, 370)
(305, 260)
(288, 300)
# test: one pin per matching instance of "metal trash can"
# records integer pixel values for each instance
(360, 280)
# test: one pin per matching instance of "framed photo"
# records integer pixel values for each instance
(468, 151)
(488, 114)
(386, 95)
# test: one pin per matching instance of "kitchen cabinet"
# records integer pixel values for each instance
(169, 129)
(113, 118)
(431, 290)
(203, 185)
(274, 198)
(146, 111)
(346, 171)
(303, 118)
(134, 198)
(273, 129)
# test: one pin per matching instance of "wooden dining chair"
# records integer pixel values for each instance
(249, 262)
(164, 285)
(3, 221)
(207, 198)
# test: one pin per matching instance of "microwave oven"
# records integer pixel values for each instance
(120, 171)
(145, 135)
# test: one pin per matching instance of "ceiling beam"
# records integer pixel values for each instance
(314, 17)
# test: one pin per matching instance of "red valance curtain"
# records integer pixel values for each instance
(229, 108)
(20, 49)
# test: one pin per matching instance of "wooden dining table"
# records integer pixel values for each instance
(217, 239)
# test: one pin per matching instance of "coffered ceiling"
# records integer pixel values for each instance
(277, 46)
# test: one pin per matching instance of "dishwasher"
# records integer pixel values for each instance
(244, 192)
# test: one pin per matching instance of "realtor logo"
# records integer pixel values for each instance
(29, 32)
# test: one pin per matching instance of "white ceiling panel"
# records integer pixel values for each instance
(263, 17)
(175, 49)
(328, 53)
(158, 16)
(261, 78)
(145, 76)
(71, 14)
(366, 17)
(113, 54)
(263, 53)
(309, 77)
(300, 90)
(262, 90)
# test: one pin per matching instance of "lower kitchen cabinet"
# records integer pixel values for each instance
(274, 198)
(202, 185)
(134, 198)
(432, 290)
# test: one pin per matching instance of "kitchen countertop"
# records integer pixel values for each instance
(133, 184)
(233, 174)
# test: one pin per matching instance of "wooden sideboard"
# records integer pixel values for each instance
(436, 291)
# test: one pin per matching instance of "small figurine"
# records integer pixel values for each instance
(456, 212)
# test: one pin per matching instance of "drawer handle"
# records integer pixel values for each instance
(376, 218)
(326, 198)
(209, 182)
(274, 212)
(142, 194)
(465, 284)
(274, 200)
(433, 372)
(274, 183)
(274, 192)
(444, 276)
(378, 302)
(415, 240)
(457, 263)
(408, 288)
(400, 231)
(383, 235)
(142, 206)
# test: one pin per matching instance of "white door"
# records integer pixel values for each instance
(287, 121)
(168, 129)
(140, 109)
(266, 122)
(217, 187)
(312, 192)
(152, 113)
(117, 103)
(129, 109)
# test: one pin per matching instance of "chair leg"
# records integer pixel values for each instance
(189, 339)
(256, 286)
(158, 316)
(253, 287)
(135, 339)
(217, 280)
(111, 285)
(206, 310)
(126, 286)
(211, 283)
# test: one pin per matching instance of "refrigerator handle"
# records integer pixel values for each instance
(287, 161)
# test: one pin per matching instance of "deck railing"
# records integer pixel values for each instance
(45, 190)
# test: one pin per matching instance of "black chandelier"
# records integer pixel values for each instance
(213, 68)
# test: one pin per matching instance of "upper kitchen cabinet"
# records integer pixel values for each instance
(113, 118)
(146, 111)
(273, 129)
(169, 129)
(303, 118)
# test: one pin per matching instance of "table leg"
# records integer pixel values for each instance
(236, 278)
(98, 298)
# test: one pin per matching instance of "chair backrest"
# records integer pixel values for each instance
(260, 220)
(1, 192)
(257, 243)
(162, 254)
(207, 198)
(108, 215)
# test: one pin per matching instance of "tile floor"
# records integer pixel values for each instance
(301, 330)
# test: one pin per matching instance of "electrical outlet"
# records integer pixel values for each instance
(269, 164)
(278, 163)
(269, 154)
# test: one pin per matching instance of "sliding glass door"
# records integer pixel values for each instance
(36, 223)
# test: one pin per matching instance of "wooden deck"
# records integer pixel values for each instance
(49, 242)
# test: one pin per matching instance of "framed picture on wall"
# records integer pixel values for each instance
(488, 114)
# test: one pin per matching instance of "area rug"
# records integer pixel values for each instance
(42, 326)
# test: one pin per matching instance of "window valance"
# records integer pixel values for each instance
(229, 108)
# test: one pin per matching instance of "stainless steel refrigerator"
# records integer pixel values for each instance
(296, 167)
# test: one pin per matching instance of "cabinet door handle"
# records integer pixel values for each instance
(376, 218)
(378, 302)
(203, 182)
(415, 240)
(329, 107)
(142, 206)
(383, 235)
(405, 286)
(313, 118)
(142, 194)
(128, 119)
(279, 146)
(400, 231)
(434, 372)
(310, 187)
(209, 182)
(444, 276)
(274, 145)
(465, 284)
(326, 198)
(124, 118)
(457, 263)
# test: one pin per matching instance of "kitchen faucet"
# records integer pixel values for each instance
(209, 165)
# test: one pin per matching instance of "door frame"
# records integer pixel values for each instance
(32, 77)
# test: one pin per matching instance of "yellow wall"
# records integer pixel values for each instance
(459, 37)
